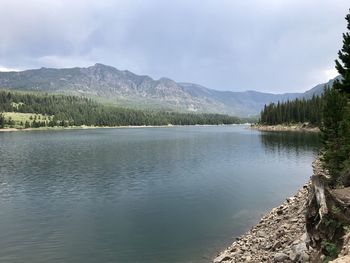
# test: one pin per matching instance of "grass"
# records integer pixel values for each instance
(19, 119)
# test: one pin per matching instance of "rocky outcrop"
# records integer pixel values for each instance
(280, 236)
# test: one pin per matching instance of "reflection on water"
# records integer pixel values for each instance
(290, 142)
(141, 195)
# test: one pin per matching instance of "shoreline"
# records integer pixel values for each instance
(280, 128)
(83, 127)
(279, 236)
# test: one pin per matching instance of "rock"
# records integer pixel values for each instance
(280, 233)
(294, 220)
(345, 259)
(304, 257)
(248, 259)
(298, 251)
(221, 258)
(268, 246)
(280, 257)
(276, 245)
(261, 233)
(285, 226)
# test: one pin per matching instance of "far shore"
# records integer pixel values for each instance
(286, 127)
(83, 127)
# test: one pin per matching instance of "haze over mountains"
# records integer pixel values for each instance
(125, 88)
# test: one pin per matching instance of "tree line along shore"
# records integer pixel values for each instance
(34, 110)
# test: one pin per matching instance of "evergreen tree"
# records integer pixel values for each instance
(296, 111)
(343, 67)
(2, 120)
(27, 124)
(333, 116)
(336, 119)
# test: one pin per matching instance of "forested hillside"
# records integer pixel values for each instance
(295, 111)
(126, 89)
(60, 110)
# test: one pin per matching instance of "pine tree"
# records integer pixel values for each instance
(343, 67)
(26, 125)
(333, 116)
(2, 120)
(336, 119)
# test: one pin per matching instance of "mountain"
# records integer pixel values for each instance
(318, 90)
(240, 103)
(125, 88)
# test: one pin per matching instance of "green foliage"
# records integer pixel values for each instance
(18, 120)
(2, 120)
(336, 120)
(75, 111)
(346, 228)
(26, 125)
(296, 111)
(343, 67)
(335, 209)
(332, 224)
(330, 250)
(333, 129)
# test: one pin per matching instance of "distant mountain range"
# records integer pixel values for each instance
(124, 88)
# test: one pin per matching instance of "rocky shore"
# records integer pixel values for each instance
(280, 236)
(291, 127)
(311, 226)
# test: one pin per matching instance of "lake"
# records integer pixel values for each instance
(152, 195)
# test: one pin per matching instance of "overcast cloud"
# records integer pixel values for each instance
(271, 45)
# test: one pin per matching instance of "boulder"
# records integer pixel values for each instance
(222, 258)
(280, 257)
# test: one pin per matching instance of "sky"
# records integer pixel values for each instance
(265, 45)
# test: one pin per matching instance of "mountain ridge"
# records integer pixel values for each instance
(125, 88)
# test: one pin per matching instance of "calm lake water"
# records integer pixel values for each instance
(141, 195)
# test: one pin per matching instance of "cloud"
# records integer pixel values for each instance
(5, 69)
(273, 45)
(330, 73)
